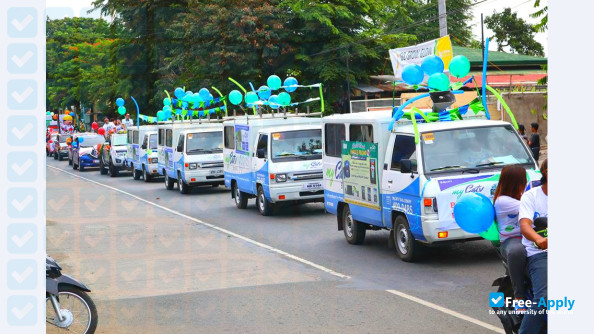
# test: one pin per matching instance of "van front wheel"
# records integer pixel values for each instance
(354, 231)
(406, 245)
(264, 206)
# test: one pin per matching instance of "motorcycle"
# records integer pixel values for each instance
(68, 306)
(508, 316)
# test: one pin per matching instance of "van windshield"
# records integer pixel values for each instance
(296, 145)
(476, 148)
(119, 140)
(153, 142)
(89, 141)
(204, 142)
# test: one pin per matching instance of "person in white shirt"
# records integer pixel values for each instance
(510, 188)
(128, 122)
(107, 125)
(534, 205)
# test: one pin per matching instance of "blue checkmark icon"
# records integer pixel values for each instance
(496, 299)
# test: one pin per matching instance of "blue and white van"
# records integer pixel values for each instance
(142, 154)
(273, 159)
(191, 155)
(416, 177)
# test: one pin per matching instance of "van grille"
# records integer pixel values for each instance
(210, 165)
(306, 176)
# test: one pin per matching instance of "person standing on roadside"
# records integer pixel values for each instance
(534, 204)
(534, 141)
(522, 132)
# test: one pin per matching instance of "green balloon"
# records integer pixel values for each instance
(492, 234)
(235, 97)
(122, 110)
(439, 82)
(459, 66)
(284, 99)
(251, 98)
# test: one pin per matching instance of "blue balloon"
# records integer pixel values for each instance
(210, 97)
(432, 64)
(196, 98)
(81, 139)
(289, 82)
(412, 74)
(274, 103)
(120, 102)
(189, 93)
(264, 92)
(160, 115)
(166, 101)
(204, 93)
(167, 109)
(474, 212)
(179, 92)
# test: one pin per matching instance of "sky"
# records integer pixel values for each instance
(62, 8)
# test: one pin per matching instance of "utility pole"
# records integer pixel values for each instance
(482, 38)
(348, 81)
(443, 18)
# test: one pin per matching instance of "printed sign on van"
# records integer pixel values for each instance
(242, 139)
(360, 185)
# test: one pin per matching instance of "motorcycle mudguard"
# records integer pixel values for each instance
(499, 281)
(51, 284)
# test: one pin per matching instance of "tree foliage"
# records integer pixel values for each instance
(513, 32)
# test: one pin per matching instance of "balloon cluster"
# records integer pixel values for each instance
(264, 93)
(184, 100)
(433, 67)
(474, 213)
(121, 109)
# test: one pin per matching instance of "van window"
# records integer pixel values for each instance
(145, 141)
(130, 134)
(169, 138)
(404, 148)
(180, 142)
(229, 133)
(263, 145)
(161, 137)
(153, 142)
(135, 137)
(334, 135)
(361, 132)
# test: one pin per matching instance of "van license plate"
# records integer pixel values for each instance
(312, 186)
(216, 171)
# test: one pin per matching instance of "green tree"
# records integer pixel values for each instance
(63, 67)
(512, 31)
(543, 15)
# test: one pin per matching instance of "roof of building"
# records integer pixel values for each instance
(498, 58)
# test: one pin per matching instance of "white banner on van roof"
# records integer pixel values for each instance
(441, 47)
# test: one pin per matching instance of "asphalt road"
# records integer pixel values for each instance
(158, 260)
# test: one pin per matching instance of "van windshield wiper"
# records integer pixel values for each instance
(199, 150)
(490, 164)
(446, 167)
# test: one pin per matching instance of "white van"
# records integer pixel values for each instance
(274, 160)
(380, 179)
(142, 154)
(191, 155)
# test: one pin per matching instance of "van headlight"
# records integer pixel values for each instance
(154, 160)
(193, 166)
(281, 177)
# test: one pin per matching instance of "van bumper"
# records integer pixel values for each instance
(431, 229)
(295, 192)
(203, 176)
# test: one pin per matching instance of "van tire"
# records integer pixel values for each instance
(168, 181)
(113, 171)
(407, 247)
(135, 173)
(264, 206)
(147, 177)
(183, 187)
(239, 196)
(354, 231)
(102, 169)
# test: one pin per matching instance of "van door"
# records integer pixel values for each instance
(401, 189)
(178, 155)
(260, 163)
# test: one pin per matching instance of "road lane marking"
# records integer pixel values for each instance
(220, 229)
(291, 256)
(446, 310)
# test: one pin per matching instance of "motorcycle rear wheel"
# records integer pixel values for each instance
(78, 309)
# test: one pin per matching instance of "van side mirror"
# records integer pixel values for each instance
(180, 148)
(261, 153)
(405, 166)
(144, 146)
